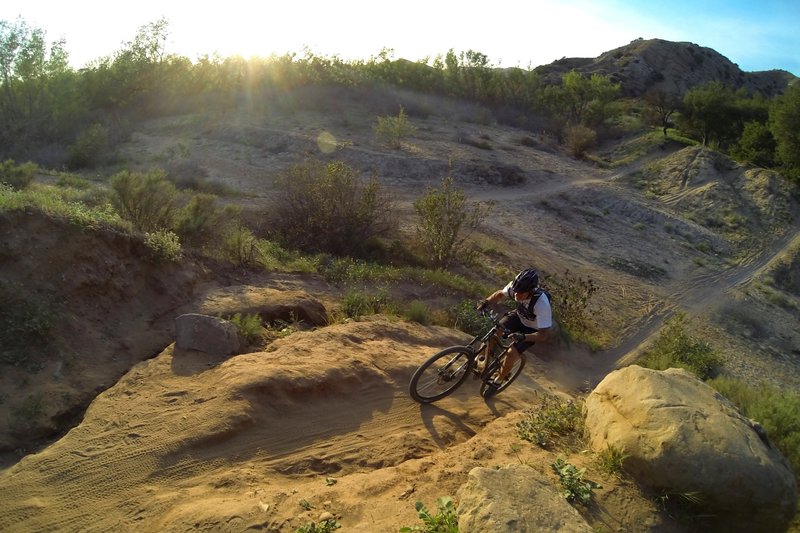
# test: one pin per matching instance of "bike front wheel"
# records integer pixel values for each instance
(442, 374)
(488, 388)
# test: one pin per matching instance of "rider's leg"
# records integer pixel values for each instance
(508, 363)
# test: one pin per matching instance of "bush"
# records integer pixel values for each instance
(579, 139)
(571, 295)
(89, 147)
(445, 221)
(777, 411)
(241, 248)
(575, 488)
(466, 319)
(17, 176)
(164, 244)
(199, 220)
(249, 327)
(358, 303)
(417, 311)
(675, 348)
(553, 421)
(148, 200)
(327, 208)
(393, 130)
(444, 521)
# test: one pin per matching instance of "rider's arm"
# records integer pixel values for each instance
(495, 297)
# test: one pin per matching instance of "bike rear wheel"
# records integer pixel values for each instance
(488, 389)
(442, 374)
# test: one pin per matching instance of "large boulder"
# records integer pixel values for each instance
(206, 334)
(515, 499)
(681, 436)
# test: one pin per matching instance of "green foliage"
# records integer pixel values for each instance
(249, 327)
(356, 303)
(709, 112)
(554, 421)
(199, 221)
(326, 526)
(582, 100)
(89, 148)
(575, 488)
(17, 176)
(147, 200)
(444, 521)
(241, 248)
(394, 130)
(326, 207)
(674, 347)
(778, 412)
(417, 311)
(756, 145)
(579, 139)
(784, 120)
(571, 296)
(61, 202)
(164, 244)
(445, 222)
(467, 320)
(612, 460)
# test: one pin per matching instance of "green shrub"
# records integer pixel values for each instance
(444, 521)
(554, 421)
(358, 303)
(579, 139)
(466, 319)
(148, 200)
(777, 411)
(164, 244)
(445, 220)
(612, 460)
(417, 311)
(328, 208)
(571, 296)
(249, 327)
(199, 220)
(575, 488)
(241, 248)
(89, 147)
(394, 130)
(675, 348)
(17, 176)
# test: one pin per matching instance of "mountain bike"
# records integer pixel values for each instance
(447, 370)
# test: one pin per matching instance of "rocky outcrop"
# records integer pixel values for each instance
(515, 499)
(672, 67)
(206, 334)
(682, 437)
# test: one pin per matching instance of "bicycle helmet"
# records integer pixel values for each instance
(526, 281)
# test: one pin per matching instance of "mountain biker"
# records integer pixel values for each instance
(530, 323)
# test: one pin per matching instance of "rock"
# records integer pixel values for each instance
(269, 304)
(206, 334)
(681, 436)
(515, 499)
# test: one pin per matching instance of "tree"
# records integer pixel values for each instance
(663, 106)
(445, 221)
(708, 111)
(580, 99)
(784, 122)
(756, 145)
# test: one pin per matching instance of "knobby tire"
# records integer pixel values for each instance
(441, 375)
(489, 390)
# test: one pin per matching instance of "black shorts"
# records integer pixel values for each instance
(513, 324)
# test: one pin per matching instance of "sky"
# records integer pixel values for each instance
(755, 34)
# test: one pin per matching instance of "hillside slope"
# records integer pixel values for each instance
(187, 440)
